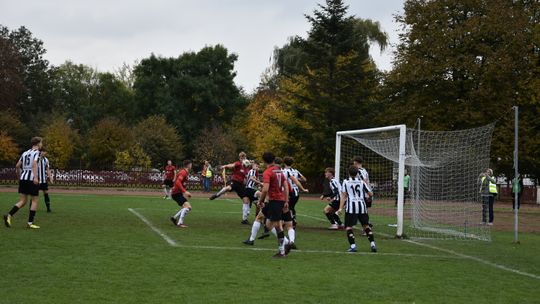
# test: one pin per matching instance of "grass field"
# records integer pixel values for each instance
(94, 249)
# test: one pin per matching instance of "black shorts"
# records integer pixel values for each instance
(293, 199)
(265, 211)
(28, 187)
(44, 186)
(351, 219)
(168, 182)
(287, 216)
(334, 204)
(179, 199)
(239, 188)
(275, 210)
(250, 192)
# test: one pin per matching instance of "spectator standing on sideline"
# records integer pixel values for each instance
(206, 176)
(517, 187)
(488, 191)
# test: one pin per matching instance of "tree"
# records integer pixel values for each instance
(213, 145)
(463, 64)
(11, 69)
(12, 125)
(134, 158)
(8, 150)
(159, 140)
(192, 91)
(327, 81)
(60, 141)
(105, 139)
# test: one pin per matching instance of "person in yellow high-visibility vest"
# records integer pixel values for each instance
(488, 191)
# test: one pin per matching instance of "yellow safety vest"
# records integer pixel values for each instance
(492, 186)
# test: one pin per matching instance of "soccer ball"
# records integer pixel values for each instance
(246, 162)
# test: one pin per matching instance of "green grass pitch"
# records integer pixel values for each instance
(93, 249)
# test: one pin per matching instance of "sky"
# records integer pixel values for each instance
(105, 34)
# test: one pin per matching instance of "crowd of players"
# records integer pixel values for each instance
(278, 193)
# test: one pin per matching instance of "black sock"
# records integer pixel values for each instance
(337, 219)
(266, 230)
(330, 217)
(31, 216)
(13, 210)
(350, 236)
(281, 237)
(369, 234)
(47, 199)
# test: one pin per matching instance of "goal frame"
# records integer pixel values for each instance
(401, 163)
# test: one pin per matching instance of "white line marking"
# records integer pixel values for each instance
(479, 260)
(461, 255)
(156, 230)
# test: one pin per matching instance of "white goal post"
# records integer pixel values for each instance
(401, 163)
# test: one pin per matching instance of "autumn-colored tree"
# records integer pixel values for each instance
(159, 140)
(133, 159)
(214, 145)
(105, 139)
(12, 125)
(8, 150)
(60, 141)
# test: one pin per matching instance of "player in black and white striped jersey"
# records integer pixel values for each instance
(27, 170)
(333, 199)
(353, 192)
(253, 183)
(295, 179)
(45, 175)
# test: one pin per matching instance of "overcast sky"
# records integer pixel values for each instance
(106, 33)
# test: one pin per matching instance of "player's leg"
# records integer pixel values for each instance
(364, 221)
(245, 210)
(350, 221)
(485, 202)
(227, 188)
(275, 213)
(491, 201)
(293, 200)
(165, 190)
(45, 188)
(32, 213)
(22, 201)
(289, 227)
(257, 223)
(186, 208)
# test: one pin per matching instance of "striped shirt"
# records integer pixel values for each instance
(292, 172)
(27, 159)
(356, 189)
(250, 183)
(43, 169)
(363, 175)
(336, 189)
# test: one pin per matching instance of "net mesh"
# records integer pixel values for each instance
(442, 199)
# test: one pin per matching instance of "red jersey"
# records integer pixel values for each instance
(276, 179)
(169, 171)
(180, 182)
(239, 172)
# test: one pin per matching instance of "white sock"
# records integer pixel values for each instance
(274, 232)
(372, 244)
(292, 235)
(183, 214)
(177, 215)
(166, 191)
(245, 211)
(254, 230)
(220, 192)
(353, 246)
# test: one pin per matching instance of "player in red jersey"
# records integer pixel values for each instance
(240, 169)
(180, 195)
(168, 178)
(275, 186)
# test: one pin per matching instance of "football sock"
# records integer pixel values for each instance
(281, 243)
(330, 218)
(47, 199)
(274, 232)
(369, 234)
(220, 192)
(183, 214)
(166, 191)
(292, 235)
(265, 228)
(337, 219)
(350, 237)
(245, 211)
(13, 210)
(254, 230)
(177, 215)
(31, 216)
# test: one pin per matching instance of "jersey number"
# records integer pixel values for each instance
(27, 160)
(356, 189)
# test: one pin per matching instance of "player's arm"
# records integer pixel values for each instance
(303, 179)
(180, 183)
(264, 192)
(229, 166)
(18, 168)
(368, 190)
(256, 180)
(299, 184)
(35, 171)
(342, 201)
(49, 174)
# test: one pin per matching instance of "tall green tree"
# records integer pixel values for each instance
(192, 91)
(105, 139)
(462, 64)
(11, 69)
(159, 140)
(327, 81)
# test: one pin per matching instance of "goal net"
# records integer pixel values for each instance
(425, 183)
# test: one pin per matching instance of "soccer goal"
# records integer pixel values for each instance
(425, 183)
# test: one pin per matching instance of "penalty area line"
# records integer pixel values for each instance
(167, 239)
